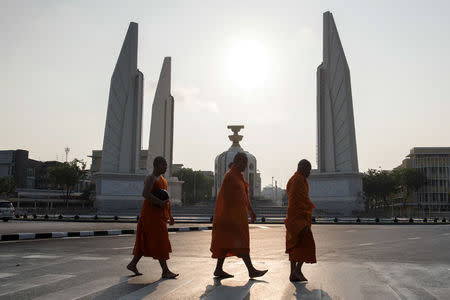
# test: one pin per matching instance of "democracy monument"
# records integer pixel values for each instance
(335, 186)
(120, 181)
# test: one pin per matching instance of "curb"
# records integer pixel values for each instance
(51, 235)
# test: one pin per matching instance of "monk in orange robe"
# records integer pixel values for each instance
(230, 234)
(299, 238)
(152, 237)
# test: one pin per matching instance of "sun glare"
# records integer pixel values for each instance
(248, 64)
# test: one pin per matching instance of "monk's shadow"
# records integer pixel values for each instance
(219, 291)
(302, 292)
(124, 287)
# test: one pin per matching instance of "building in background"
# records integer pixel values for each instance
(273, 193)
(434, 162)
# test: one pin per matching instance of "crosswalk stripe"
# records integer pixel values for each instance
(14, 287)
(366, 244)
(122, 248)
(83, 290)
(4, 275)
(90, 258)
(41, 256)
(414, 238)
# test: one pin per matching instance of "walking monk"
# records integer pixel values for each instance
(152, 237)
(230, 234)
(299, 238)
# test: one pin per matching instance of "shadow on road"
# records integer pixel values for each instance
(302, 292)
(127, 285)
(219, 291)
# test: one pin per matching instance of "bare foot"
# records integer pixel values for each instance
(133, 269)
(222, 274)
(169, 275)
(257, 273)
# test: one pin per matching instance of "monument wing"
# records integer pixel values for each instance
(336, 128)
(122, 139)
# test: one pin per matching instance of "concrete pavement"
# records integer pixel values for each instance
(354, 262)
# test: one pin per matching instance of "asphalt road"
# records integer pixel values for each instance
(354, 262)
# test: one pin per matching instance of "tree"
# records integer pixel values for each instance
(7, 186)
(197, 187)
(410, 180)
(67, 175)
(378, 187)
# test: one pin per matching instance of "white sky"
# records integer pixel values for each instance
(57, 58)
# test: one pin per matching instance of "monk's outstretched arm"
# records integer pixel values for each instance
(146, 193)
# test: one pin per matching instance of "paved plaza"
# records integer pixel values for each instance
(354, 262)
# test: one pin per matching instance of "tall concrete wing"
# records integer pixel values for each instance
(161, 130)
(123, 129)
(335, 122)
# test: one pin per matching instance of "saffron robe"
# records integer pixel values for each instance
(300, 243)
(152, 237)
(230, 234)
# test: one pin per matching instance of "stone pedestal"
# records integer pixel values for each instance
(336, 194)
(119, 194)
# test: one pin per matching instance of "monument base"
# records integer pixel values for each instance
(174, 191)
(121, 194)
(336, 194)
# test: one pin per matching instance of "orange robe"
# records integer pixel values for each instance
(299, 239)
(152, 237)
(230, 235)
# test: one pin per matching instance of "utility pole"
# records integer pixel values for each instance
(67, 149)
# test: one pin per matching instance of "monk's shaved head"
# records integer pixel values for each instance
(304, 167)
(240, 156)
(159, 160)
(240, 161)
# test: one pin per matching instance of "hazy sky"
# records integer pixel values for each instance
(233, 62)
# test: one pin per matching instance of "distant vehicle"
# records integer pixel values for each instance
(6, 210)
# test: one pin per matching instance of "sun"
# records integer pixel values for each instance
(248, 64)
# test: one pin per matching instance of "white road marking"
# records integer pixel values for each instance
(83, 290)
(114, 232)
(59, 234)
(4, 275)
(86, 233)
(122, 248)
(26, 236)
(42, 256)
(11, 288)
(263, 227)
(366, 244)
(172, 232)
(350, 230)
(6, 255)
(414, 238)
(90, 258)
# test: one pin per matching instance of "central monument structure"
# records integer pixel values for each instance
(336, 185)
(120, 181)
